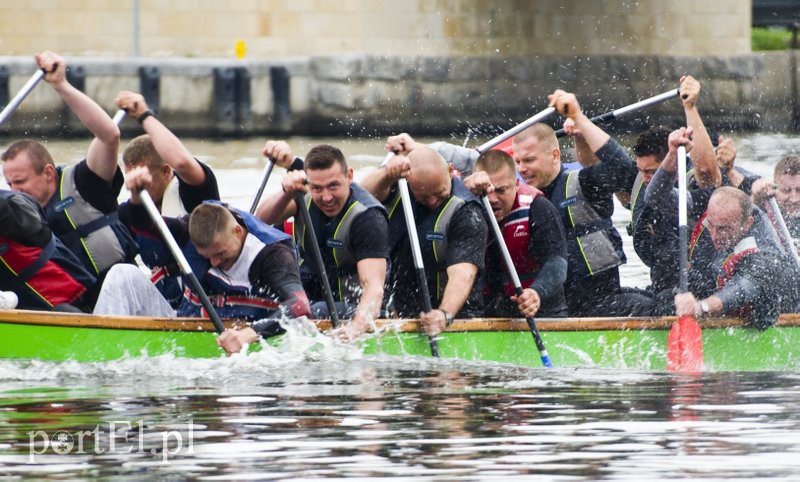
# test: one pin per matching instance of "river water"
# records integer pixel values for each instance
(331, 412)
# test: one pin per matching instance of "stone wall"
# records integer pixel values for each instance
(361, 95)
(286, 28)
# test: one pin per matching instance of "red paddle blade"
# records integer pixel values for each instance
(685, 346)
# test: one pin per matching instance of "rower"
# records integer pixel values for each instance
(652, 227)
(452, 233)
(43, 273)
(247, 268)
(533, 232)
(786, 189)
(80, 201)
(750, 273)
(180, 183)
(584, 201)
(351, 228)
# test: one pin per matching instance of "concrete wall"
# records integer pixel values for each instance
(285, 28)
(370, 95)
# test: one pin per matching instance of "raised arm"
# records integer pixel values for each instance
(704, 161)
(102, 155)
(567, 104)
(661, 192)
(583, 153)
(280, 206)
(167, 145)
(380, 181)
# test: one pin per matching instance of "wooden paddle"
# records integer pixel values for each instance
(267, 171)
(609, 116)
(302, 209)
(416, 252)
(685, 340)
(23, 92)
(177, 253)
(512, 271)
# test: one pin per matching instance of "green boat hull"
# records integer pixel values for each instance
(725, 348)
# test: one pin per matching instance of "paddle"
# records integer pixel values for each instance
(416, 252)
(186, 270)
(609, 116)
(498, 236)
(785, 234)
(118, 116)
(685, 340)
(23, 92)
(264, 178)
(302, 209)
(515, 130)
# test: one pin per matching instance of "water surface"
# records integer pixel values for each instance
(316, 410)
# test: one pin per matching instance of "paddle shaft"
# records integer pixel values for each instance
(302, 209)
(416, 252)
(516, 129)
(512, 271)
(683, 240)
(785, 234)
(118, 116)
(23, 92)
(609, 116)
(177, 253)
(267, 171)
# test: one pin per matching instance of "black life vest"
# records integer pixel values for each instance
(333, 237)
(98, 239)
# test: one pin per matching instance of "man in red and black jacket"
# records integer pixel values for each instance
(34, 264)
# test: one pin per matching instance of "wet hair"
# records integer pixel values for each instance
(493, 161)
(788, 166)
(40, 157)
(542, 132)
(324, 156)
(737, 195)
(653, 142)
(140, 151)
(206, 221)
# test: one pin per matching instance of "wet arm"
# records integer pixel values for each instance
(102, 154)
(371, 276)
(462, 158)
(615, 172)
(277, 208)
(460, 278)
(174, 152)
(549, 247)
(378, 183)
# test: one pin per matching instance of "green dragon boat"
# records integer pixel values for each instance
(600, 342)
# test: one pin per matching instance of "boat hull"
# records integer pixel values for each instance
(611, 343)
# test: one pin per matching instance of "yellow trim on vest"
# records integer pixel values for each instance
(436, 224)
(633, 201)
(66, 213)
(569, 212)
(338, 226)
(335, 258)
(26, 283)
(439, 290)
(396, 203)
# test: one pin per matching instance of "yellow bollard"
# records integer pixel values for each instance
(240, 48)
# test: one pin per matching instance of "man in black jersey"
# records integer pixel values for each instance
(350, 226)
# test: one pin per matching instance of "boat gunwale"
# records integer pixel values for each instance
(141, 323)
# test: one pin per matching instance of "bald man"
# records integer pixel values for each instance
(750, 270)
(452, 233)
